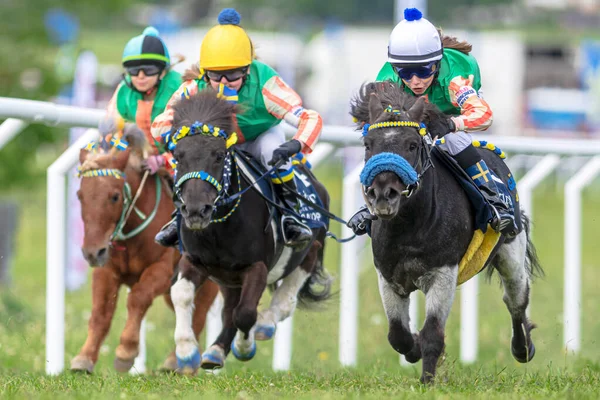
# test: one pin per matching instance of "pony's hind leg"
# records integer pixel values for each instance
(285, 297)
(182, 295)
(511, 264)
(439, 286)
(105, 289)
(397, 311)
(245, 313)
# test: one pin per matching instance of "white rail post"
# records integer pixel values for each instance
(413, 313)
(572, 274)
(282, 342)
(349, 270)
(533, 178)
(9, 129)
(469, 327)
(56, 253)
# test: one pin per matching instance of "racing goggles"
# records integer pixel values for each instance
(421, 71)
(149, 70)
(231, 75)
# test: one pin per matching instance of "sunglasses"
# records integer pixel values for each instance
(149, 70)
(231, 75)
(422, 72)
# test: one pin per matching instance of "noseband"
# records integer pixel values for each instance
(395, 163)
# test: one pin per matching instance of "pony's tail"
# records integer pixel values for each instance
(534, 268)
(317, 287)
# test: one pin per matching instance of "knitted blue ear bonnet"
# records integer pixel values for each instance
(388, 162)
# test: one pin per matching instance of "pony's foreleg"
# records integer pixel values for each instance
(397, 311)
(511, 264)
(154, 281)
(244, 315)
(214, 356)
(439, 287)
(285, 297)
(182, 295)
(105, 289)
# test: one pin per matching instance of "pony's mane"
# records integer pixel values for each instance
(207, 108)
(389, 93)
(137, 143)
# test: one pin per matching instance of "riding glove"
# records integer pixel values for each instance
(285, 151)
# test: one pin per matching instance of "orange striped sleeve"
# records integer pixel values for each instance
(476, 114)
(284, 103)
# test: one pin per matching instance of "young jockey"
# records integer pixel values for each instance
(147, 86)
(442, 70)
(227, 64)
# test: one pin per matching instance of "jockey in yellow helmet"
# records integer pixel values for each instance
(228, 66)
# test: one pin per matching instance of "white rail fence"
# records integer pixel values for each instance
(22, 112)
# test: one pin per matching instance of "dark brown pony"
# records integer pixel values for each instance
(124, 256)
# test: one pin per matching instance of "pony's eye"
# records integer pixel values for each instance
(412, 147)
(219, 158)
(114, 198)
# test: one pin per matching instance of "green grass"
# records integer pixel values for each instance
(315, 368)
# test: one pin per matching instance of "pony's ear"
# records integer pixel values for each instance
(417, 110)
(120, 159)
(83, 153)
(375, 108)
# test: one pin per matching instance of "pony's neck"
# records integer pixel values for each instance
(146, 199)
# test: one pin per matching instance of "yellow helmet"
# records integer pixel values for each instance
(227, 45)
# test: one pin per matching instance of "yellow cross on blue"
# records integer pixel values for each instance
(119, 143)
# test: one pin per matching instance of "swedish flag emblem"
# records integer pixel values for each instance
(119, 143)
(228, 94)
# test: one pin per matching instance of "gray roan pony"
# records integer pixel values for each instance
(423, 231)
(234, 243)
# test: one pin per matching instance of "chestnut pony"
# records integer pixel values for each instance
(122, 210)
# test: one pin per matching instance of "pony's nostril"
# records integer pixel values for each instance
(206, 210)
(102, 252)
(183, 207)
(371, 193)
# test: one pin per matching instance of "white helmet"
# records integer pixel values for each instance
(414, 40)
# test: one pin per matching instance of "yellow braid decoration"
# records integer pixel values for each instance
(231, 140)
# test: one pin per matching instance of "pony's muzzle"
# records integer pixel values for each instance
(197, 217)
(96, 257)
(384, 197)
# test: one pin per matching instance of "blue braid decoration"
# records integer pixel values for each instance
(388, 162)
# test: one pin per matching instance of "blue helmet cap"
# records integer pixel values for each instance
(147, 48)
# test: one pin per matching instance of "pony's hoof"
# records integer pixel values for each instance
(524, 356)
(170, 364)
(264, 332)
(82, 364)
(243, 355)
(188, 365)
(123, 365)
(213, 358)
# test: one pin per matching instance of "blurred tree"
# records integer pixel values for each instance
(27, 70)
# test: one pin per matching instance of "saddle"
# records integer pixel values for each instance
(252, 170)
(484, 242)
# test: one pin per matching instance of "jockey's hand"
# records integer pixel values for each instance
(110, 124)
(359, 223)
(285, 151)
(441, 127)
(153, 163)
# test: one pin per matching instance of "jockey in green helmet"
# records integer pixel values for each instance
(143, 93)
